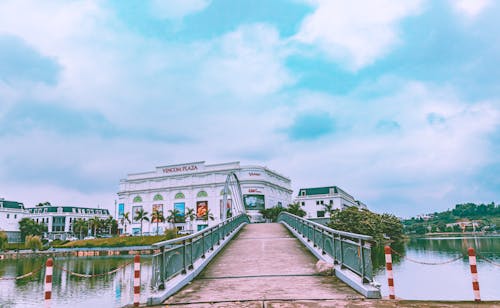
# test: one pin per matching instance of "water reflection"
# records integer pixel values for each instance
(113, 290)
(440, 282)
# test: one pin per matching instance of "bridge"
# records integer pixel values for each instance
(247, 264)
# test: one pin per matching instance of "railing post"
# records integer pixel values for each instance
(48, 280)
(314, 235)
(362, 256)
(473, 271)
(191, 249)
(388, 267)
(162, 267)
(334, 249)
(203, 243)
(184, 267)
(137, 280)
(323, 242)
(341, 251)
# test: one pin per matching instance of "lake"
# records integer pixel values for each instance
(115, 290)
(441, 282)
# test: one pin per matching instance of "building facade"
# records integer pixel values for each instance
(11, 212)
(59, 219)
(199, 187)
(316, 201)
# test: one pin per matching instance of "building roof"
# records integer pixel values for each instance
(319, 190)
(11, 204)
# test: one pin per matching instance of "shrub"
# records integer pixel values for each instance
(33, 242)
(3, 240)
(170, 234)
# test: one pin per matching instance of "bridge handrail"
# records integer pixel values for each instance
(178, 255)
(349, 250)
(344, 233)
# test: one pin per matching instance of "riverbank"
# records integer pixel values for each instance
(453, 234)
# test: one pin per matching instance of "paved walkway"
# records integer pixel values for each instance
(263, 263)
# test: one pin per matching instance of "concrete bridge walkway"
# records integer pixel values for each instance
(263, 263)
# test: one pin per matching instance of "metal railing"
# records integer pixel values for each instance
(177, 256)
(349, 250)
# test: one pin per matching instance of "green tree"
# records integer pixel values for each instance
(80, 226)
(108, 224)
(27, 226)
(94, 224)
(174, 216)
(272, 213)
(3, 240)
(33, 242)
(157, 216)
(191, 217)
(125, 218)
(362, 221)
(296, 209)
(141, 216)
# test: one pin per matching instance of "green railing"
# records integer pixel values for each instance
(349, 250)
(177, 256)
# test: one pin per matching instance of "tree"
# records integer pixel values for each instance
(80, 226)
(295, 209)
(174, 216)
(157, 216)
(272, 213)
(125, 218)
(27, 226)
(109, 223)
(94, 224)
(328, 208)
(33, 242)
(191, 216)
(141, 216)
(368, 223)
(3, 240)
(207, 216)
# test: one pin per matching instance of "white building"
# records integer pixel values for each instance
(199, 187)
(59, 219)
(11, 212)
(315, 201)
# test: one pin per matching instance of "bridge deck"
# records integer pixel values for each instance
(263, 263)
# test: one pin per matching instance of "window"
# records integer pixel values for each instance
(137, 199)
(157, 197)
(320, 213)
(201, 194)
(15, 216)
(8, 215)
(179, 195)
(303, 193)
(321, 202)
(303, 203)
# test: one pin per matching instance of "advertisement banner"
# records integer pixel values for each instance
(254, 202)
(121, 210)
(181, 207)
(135, 209)
(201, 209)
(159, 208)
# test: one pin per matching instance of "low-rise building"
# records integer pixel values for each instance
(318, 201)
(59, 219)
(11, 212)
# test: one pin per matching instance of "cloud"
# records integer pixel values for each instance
(177, 9)
(247, 62)
(470, 8)
(355, 33)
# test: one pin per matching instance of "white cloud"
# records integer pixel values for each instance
(470, 8)
(355, 33)
(177, 9)
(248, 62)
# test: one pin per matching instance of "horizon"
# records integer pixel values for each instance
(397, 103)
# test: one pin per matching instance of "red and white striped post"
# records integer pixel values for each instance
(388, 268)
(48, 279)
(473, 271)
(137, 280)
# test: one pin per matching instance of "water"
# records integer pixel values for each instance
(441, 282)
(115, 290)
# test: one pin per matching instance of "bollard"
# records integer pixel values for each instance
(137, 280)
(473, 271)
(48, 279)
(388, 267)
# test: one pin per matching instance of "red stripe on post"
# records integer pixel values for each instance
(391, 282)
(388, 266)
(475, 286)
(48, 278)
(473, 269)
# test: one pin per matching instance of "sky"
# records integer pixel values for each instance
(396, 102)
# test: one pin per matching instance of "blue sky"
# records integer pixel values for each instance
(397, 102)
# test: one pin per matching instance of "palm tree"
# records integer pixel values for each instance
(173, 216)
(94, 224)
(79, 226)
(124, 221)
(295, 209)
(191, 215)
(140, 216)
(108, 223)
(208, 215)
(157, 216)
(328, 208)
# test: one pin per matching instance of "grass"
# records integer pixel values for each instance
(118, 241)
